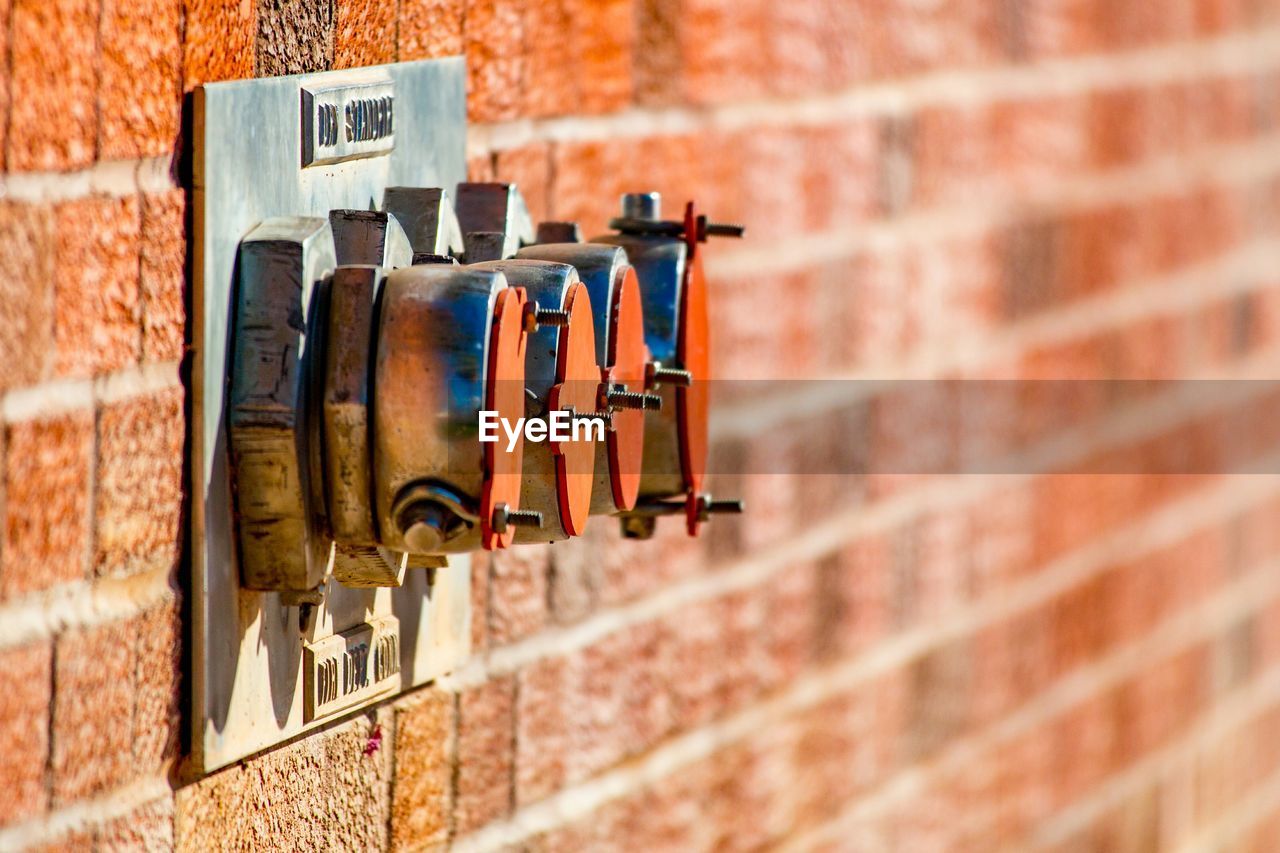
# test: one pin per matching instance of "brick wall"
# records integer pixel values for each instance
(1027, 189)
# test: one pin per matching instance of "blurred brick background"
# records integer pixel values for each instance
(1027, 188)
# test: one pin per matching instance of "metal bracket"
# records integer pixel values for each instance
(304, 146)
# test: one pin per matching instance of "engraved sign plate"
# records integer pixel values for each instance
(351, 668)
(347, 122)
(252, 683)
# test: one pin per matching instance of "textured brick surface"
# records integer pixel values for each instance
(139, 484)
(421, 805)
(55, 70)
(24, 736)
(322, 792)
(93, 713)
(138, 108)
(218, 41)
(148, 827)
(486, 738)
(26, 294)
(293, 37)
(517, 593)
(364, 33)
(159, 679)
(1038, 189)
(430, 28)
(96, 322)
(493, 35)
(162, 275)
(48, 466)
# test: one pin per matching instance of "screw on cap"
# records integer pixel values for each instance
(656, 374)
(423, 524)
(535, 317)
(642, 206)
(504, 516)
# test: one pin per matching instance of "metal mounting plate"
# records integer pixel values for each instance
(248, 654)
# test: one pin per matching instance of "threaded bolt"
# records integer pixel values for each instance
(633, 400)
(606, 415)
(535, 317)
(724, 229)
(656, 374)
(504, 516)
(708, 507)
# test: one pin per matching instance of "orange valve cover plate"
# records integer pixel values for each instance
(504, 395)
(627, 356)
(694, 352)
(577, 387)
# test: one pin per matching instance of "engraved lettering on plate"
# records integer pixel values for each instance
(347, 122)
(351, 668)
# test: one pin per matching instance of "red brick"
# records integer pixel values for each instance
(724, 50)
(138, 98)
(496, 72)
(421, 792)
(47, 500)
(480, 168)
(546, 719)
(26, 292)
(795, 67)
(657, 51)
(218, 39)
(158, 676)
(517, 593)
(791, 624)
(24, 731)
(139, 484)
(1056, 28)
(6, 96)
(430, 29)
(324, 791)
(604, 31)
(93, 714)
(1085, 747)
(551, 86)
(479, 602)
(147, 827)
(364, 33)
(486, 740)
(163, 275)
(530, 168)
(55, 68)
(97, 314)
(576, 575)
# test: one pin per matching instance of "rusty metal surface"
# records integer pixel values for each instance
(283, 264)
(369, 237)
(431, 359)
(495, 221)
(428, 219)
